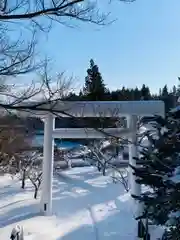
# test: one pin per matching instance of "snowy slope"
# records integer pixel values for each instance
(86, 205)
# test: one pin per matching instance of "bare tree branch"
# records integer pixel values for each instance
(53, 9)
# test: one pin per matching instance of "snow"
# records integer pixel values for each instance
(175, 214)
(176, 175)
(177, 108)
(175, 179)
(86, 205)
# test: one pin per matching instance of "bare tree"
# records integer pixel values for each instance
(102, 159)
(35, 176)
(14, 139)
(23, 20)
(29, 159)
(19, 157)
(51, 9)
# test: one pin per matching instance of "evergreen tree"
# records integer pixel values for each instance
(174, 90)
(71, 97)
(145, 92)
(124, 94)
(168, 98)
(115, 95)
(159, 169)
(178, 87)
(137, 94)
(94, 88)
(165, 92)
(174, 96)
(160, 92)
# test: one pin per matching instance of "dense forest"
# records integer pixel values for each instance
(94, 89)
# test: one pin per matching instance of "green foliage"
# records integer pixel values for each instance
(145, 92)
(159, 170)
(94, 88)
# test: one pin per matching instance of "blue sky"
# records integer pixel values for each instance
(142, 46)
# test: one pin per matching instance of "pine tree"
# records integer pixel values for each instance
(94, 88)
(168, 98)
(145, 92)
(174, 96)
(124, 94)
(137, 94)
(159, 170)
(178, 87)
(174, 90)
(165, 92)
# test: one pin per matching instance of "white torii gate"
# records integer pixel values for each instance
(129, 109)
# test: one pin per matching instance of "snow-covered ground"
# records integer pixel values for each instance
(86, 205)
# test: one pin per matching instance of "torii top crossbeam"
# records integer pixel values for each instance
(100, 108)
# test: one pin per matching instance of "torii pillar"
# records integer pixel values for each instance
(48, 161)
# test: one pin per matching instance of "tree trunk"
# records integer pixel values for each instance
(35, 192)
(104, 170)
(23, 179)
(113, 176)
(99, 166)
